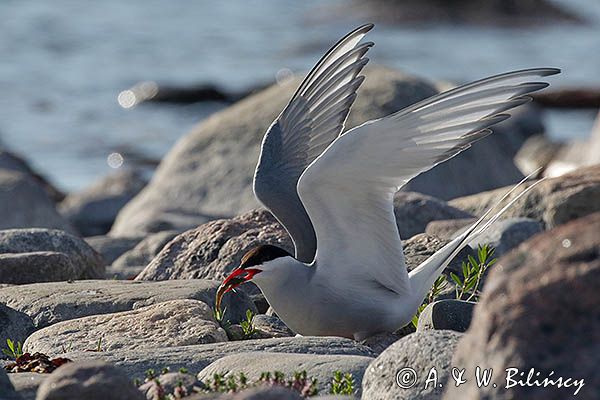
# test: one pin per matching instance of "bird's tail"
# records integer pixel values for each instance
(423, 277)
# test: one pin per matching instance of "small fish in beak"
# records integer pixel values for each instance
(249, 266)
(236, 278)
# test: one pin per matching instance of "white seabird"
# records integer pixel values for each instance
(333, 192)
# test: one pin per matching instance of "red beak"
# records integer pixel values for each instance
(236, 278)
(239, 276)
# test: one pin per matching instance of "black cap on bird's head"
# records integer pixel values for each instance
(249, 267)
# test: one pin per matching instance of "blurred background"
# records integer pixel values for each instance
(70, 71)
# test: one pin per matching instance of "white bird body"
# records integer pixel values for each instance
(329, 311)
(333, 192)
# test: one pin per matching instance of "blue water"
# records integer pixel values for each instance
(63, 63)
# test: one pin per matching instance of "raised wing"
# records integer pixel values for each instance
(348, 190)
(313, 118)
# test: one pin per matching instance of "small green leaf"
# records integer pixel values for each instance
(472, 261)
(455, 278)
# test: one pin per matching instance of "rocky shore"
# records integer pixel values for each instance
(110, 292)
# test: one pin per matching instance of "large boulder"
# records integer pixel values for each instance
(93, 210)
(196, 357)
(552, 202)
(43, 247)
(215, 248)
(168, 324)
(208, 174)
(25, 204)
(402, 370)
(50, 303)
(320, 367)
(540, 312)
(90, 380)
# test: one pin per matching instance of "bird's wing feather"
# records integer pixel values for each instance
(313, 118)
(348, 190)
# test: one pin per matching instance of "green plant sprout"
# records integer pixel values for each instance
(15, 350)
(466, 288)
(438, 287)
(472, 273)
(342, 383)
(247, 325)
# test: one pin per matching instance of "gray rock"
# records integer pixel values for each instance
(415, 210)
(39, 266)
(421, 351)
(422, 246)
(445, 229)
(34, 207)
(214, 249)
(540, 309)
(143, 252)
(208, 173)
(91, 380)
(168, 324)
(506, 234)
(170, 383)
(258, 393)
(320, 367)
(7, 390)
(87, 263)
(537, 152)
(50, 303)
(14, 325)
(270, 326)
(27, 383)
(381, 341)
(197, 357)
(93, 210)
(12, 162)
(454, 315)
(552, 202)
(111, 247)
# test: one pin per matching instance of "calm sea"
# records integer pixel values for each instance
(63, 63)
